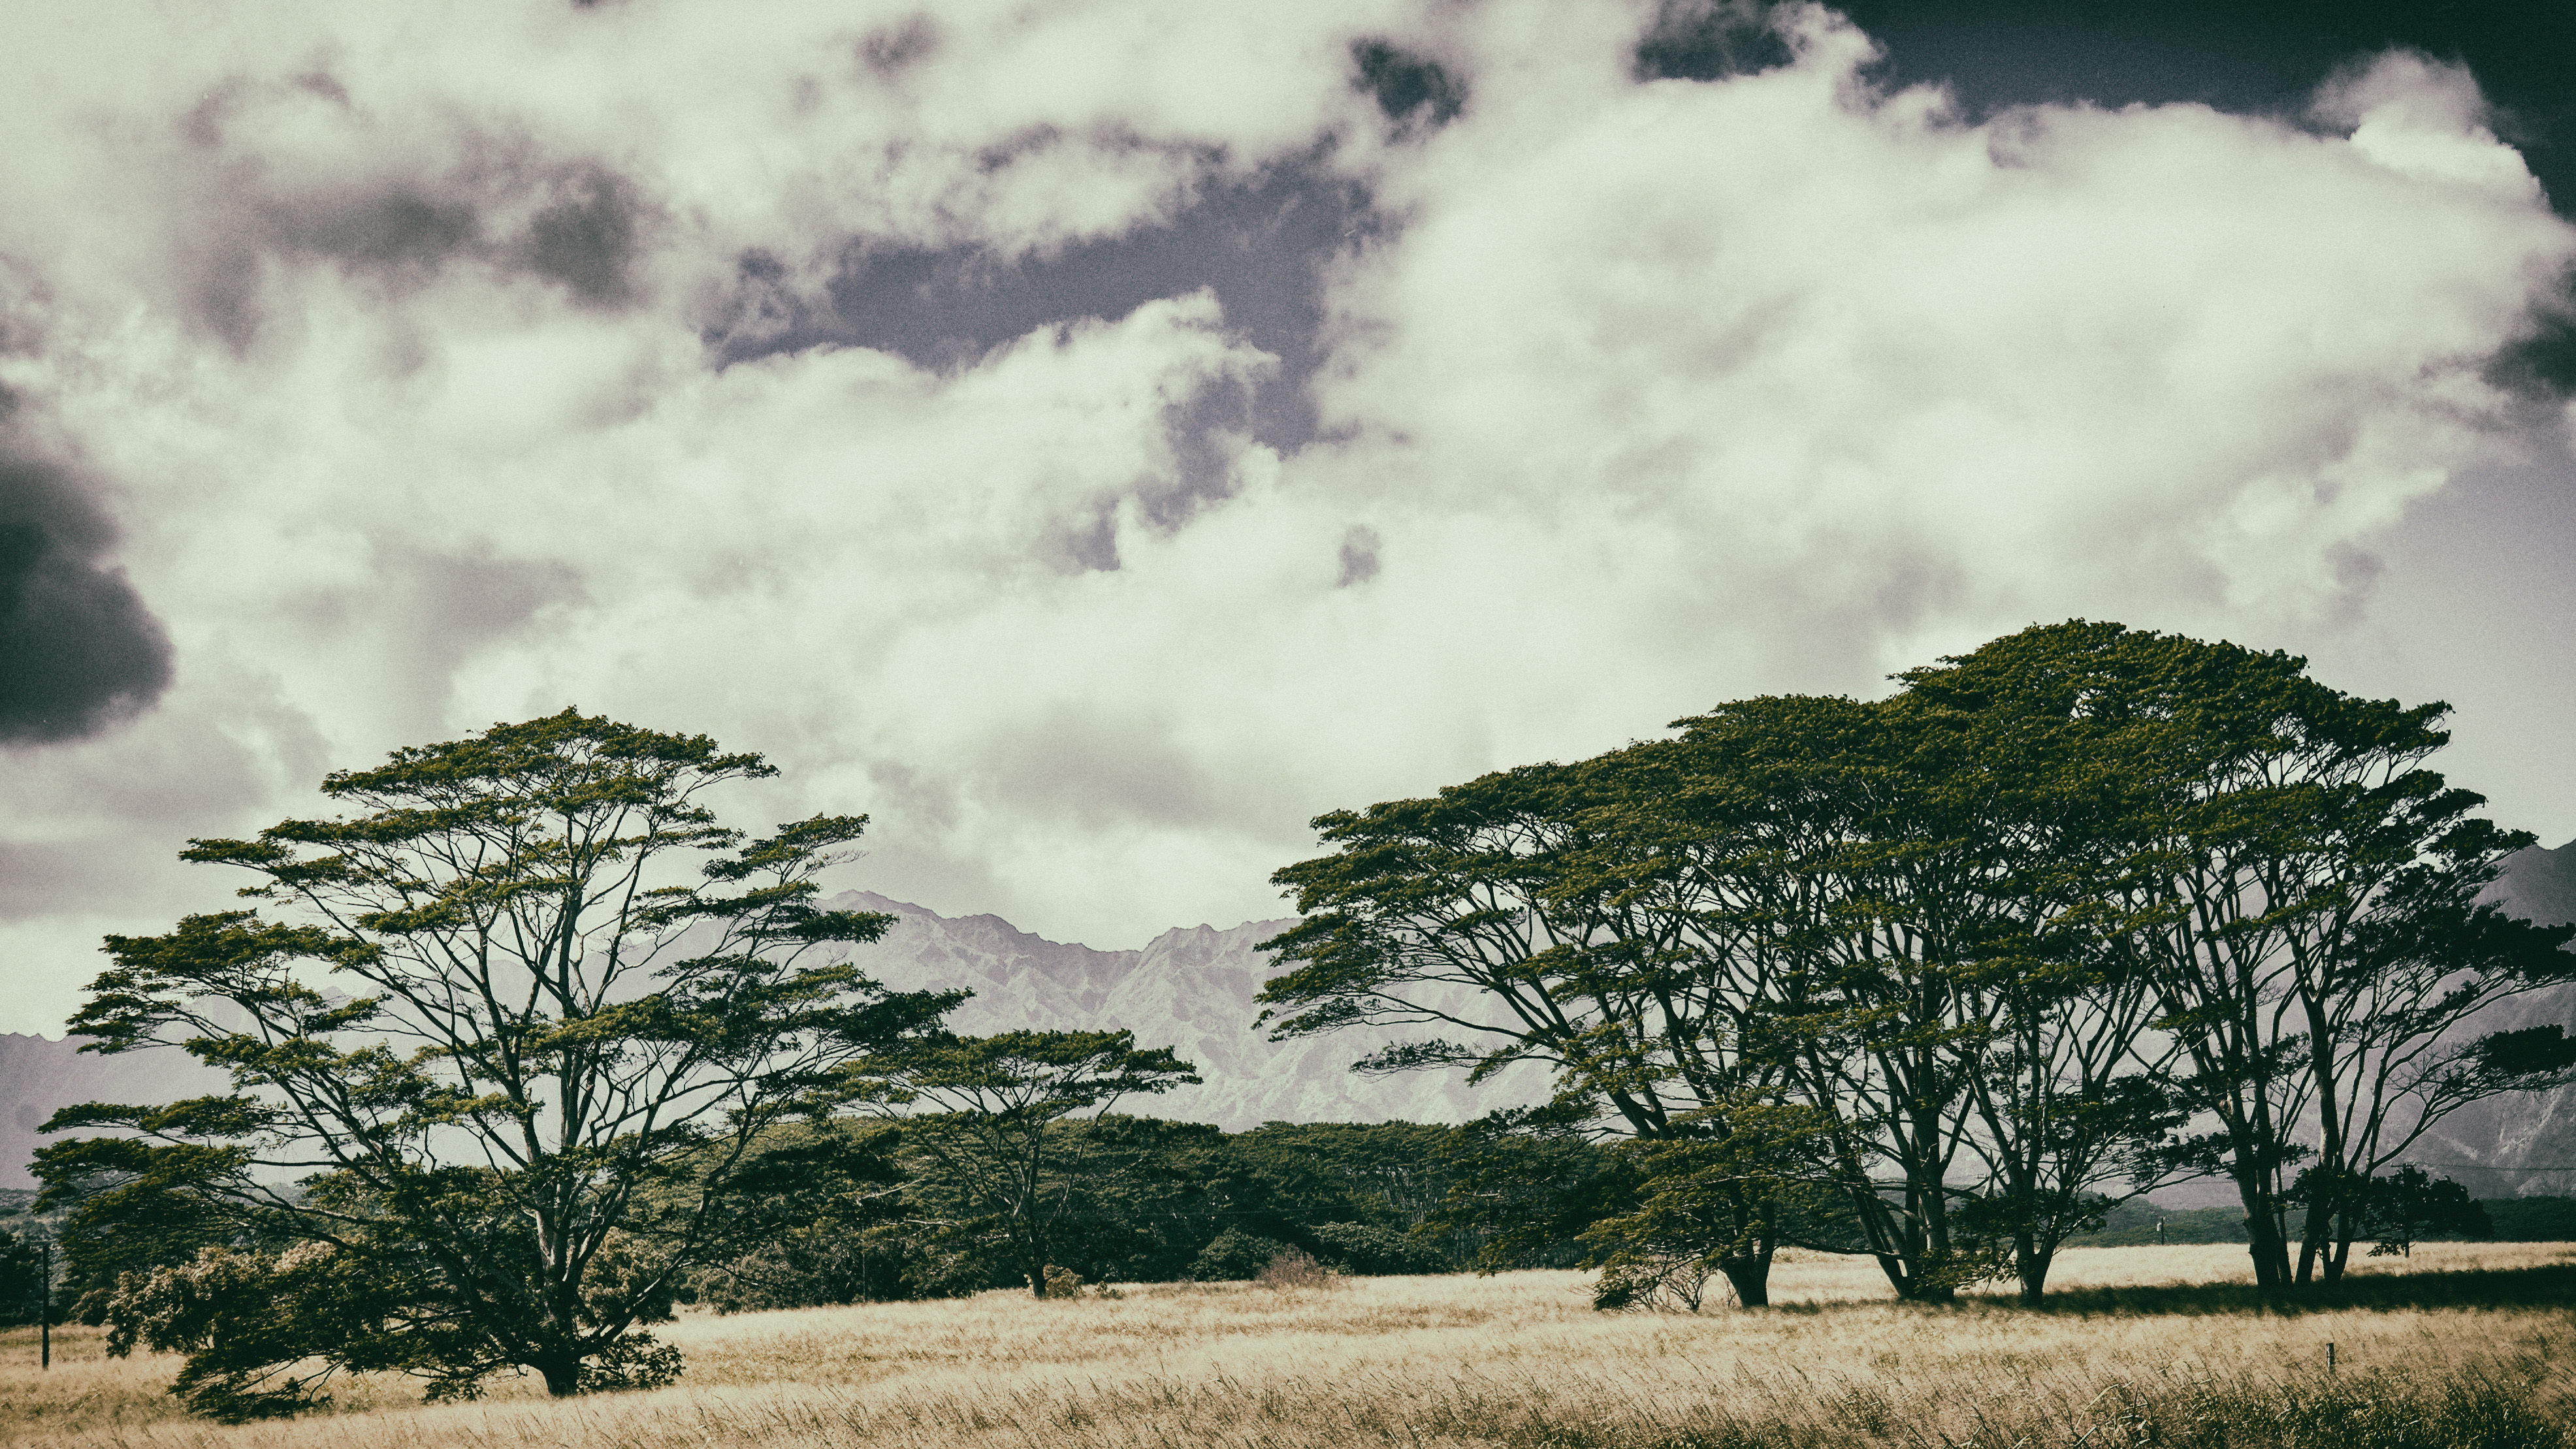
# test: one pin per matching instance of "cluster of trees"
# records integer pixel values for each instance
(527, 1047)
(1940, 977)
(1117, 1199)
(508, 1085)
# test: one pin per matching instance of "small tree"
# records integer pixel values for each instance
(2396, 1211)
(994, 1132)
(537, 1100)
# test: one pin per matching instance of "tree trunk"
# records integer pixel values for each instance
(2031, 1263)
(2341, 1253)
(2264, 1243)
(562, 1371)
(1750, 1277)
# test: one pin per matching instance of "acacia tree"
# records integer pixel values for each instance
(1543, 915)
(2063, 1083)
(2302, 893)
(999, 1107)
(500, 1069)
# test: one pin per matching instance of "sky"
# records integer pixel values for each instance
(1095, 438)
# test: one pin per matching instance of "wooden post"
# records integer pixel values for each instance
(2330, 1368)
(45, 1304)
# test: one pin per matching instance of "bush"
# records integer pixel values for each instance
(1296, 1268)
(1367, 1251)
(1234, 1257)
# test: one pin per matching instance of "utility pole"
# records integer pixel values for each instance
(45, 1303)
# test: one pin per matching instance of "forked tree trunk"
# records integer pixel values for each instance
(2264, 1241)
(1750, 1277)
(562, 1371)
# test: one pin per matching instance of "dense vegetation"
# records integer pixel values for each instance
(1944, 976)
(1943, 980)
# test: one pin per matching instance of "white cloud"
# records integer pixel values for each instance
(1661, 394)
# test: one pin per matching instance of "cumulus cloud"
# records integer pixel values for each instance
(1094, 438)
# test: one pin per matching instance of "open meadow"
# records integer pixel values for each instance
(2466, 1344)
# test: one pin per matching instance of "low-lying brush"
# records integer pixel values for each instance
(2479, 1358)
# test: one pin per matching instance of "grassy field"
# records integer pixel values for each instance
(2467, 1345)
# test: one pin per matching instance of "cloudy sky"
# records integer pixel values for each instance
(1096, 437)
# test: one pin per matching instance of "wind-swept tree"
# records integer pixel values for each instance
(502, 1071)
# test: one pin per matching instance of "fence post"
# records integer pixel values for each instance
(45, 1305)
(2330, 1365)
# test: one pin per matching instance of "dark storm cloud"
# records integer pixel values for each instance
(2541, 364)
(78, 649)
(1260, 246)
(1709, 40)
(2248, 58)
(1198, 429)
(1407, 87)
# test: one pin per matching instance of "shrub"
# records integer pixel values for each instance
(1234, 1257)
(1366, 1251)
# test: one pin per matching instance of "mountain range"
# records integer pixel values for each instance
(1191, 988)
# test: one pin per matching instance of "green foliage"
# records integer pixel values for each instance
(1365, 1250)
(2405, 1207)
(2000, 941)
(541, 1095)
(2532, 1219)
(1234, 1256)
(1016, 1185)
(1155, 1194)
(130, 1205)
(22, 1284)
(1526, 1186)
(2136, 1224)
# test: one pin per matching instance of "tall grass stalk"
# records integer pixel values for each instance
(2128, 1358)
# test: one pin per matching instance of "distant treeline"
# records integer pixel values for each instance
(1124, 1200)
(2132, 1224)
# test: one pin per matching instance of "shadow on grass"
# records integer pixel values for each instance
(2548, 1286)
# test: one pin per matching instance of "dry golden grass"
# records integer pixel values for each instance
(1517, 1359)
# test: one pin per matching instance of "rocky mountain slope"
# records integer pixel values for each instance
(1190, 988)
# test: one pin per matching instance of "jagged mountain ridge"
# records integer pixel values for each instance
(1190, 988)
